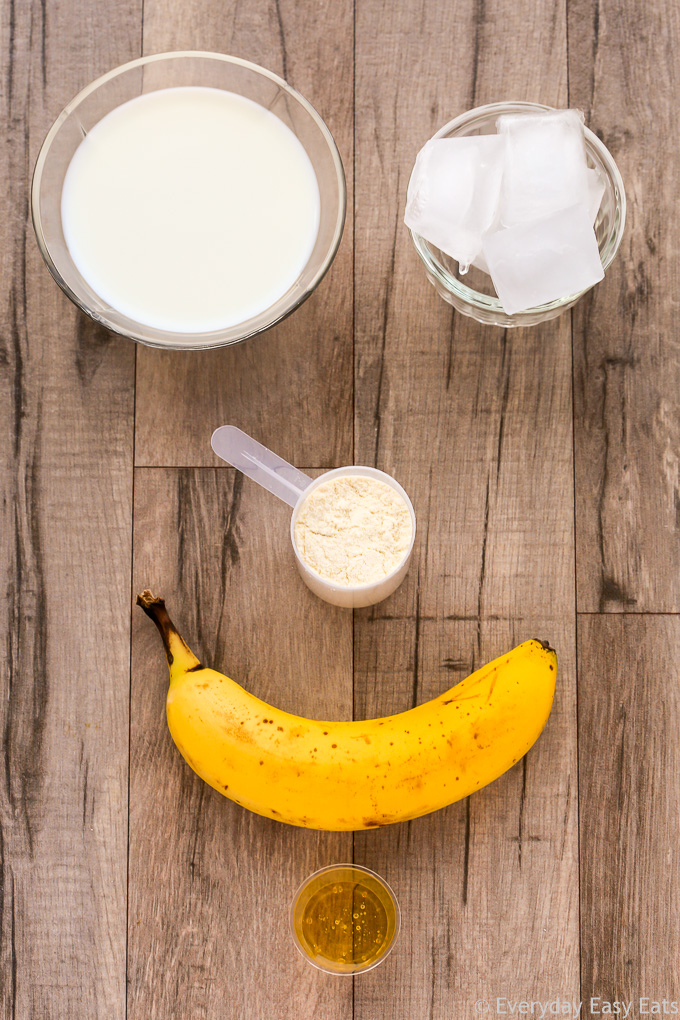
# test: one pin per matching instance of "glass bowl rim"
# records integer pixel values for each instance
(366, 871)
(485, 301)
(203, 340)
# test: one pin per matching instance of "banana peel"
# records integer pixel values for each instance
(358, 774)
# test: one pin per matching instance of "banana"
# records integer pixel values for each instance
(354, 775)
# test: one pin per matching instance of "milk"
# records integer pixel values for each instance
(190, 209)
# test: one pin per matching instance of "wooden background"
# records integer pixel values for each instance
(544, 466)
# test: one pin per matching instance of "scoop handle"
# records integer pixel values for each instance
(259, 463)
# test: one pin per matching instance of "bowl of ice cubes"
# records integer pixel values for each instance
(516, 210)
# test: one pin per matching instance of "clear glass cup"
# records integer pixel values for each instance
(474, 294)
(345, 909)
(168, 70)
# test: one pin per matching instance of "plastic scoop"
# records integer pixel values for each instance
(262, 465)
(293, 486)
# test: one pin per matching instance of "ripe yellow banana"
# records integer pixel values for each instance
(354, 775)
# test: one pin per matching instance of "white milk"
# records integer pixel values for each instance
(190, 209)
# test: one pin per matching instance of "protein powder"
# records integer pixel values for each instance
(353, 530)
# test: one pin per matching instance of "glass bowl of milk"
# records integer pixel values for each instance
(188, 200)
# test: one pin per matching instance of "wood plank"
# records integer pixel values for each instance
(629, 716)
(291, 387)
(66, 411)
(622, 70)
(210, 883)
(476, 423)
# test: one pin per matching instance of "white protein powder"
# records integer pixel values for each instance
(353, 530)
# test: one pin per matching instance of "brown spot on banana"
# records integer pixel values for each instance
(544, 644)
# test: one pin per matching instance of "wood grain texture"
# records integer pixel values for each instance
(476, 424)
(291, 387)
(629, 716)
(623, 69)
(66, 413)
(210, 883)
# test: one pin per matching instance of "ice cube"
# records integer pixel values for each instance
(454, 191)
(479, 262)
(550, 258)
(545, 164)
(595, 193)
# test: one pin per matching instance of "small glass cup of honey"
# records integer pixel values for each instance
(345, 919)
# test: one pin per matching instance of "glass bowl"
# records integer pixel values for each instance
(473, 294)
(168, 70)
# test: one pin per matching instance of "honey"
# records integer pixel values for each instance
(345, 919)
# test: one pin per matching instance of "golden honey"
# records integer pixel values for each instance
(345, 919)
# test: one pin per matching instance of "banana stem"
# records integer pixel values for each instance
(173, 642)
